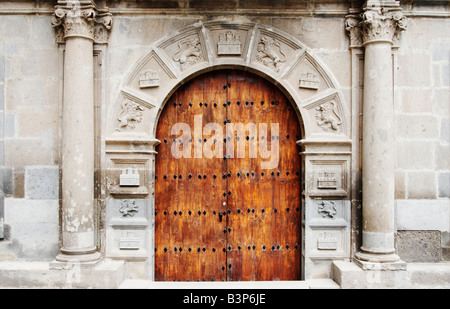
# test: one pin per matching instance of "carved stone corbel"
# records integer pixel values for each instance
(81, 19)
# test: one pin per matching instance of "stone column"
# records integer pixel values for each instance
(76, 21)
(381, 23)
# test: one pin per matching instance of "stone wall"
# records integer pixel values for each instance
(30, 88)
(423, 135)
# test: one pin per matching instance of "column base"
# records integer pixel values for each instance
(379, 261)
(67, 261)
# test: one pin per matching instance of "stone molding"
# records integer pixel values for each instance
(81, 19)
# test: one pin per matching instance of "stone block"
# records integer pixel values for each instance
(36, 121)
(42, 183)
(9, 125)
(421, 185)
(422, 215)
(29, 151)
(442, 156)
(414, 70)
(444, 185)
(400, 185)
(445, 130)
(15, 27)
(40, 62)
(441, 98)
(2, 97)
(34, 228)
(440, 51)
(415, 155)
(416, 100)
(421, 126)
(7, 180)
(19, 183)
(419, 246)
(24, 92)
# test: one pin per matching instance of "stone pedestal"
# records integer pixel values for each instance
(75, 21)
(381, 22)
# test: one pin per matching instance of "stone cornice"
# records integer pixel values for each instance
(81, 19)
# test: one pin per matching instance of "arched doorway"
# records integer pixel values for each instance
(228, 186)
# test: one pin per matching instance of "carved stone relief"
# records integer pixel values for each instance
(229, 44)
(309, 81)
(189, 52)
(130, 113)
(269, 52)
(382, 24)
(149, 79)
(327, 178)
(328, 118)
(327, 209)
(75, 19)
(129, 208)
(129, 177)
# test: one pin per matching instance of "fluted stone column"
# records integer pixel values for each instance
(380, 25)
(76, 22)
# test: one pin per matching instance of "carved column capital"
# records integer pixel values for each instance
(382, 24)
(353, 29)
(76, 18)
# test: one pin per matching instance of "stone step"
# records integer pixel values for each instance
(105, 275)
(247, 285)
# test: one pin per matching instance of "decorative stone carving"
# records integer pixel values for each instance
(129, 178)
(309, 81)
(327, 209)
(328, 118)
(269, 52)
(352, 26)
(189, 51)
(149, 79)
(326, 241)
(382, 24)
(229, 44)
(71, 18)
(129, 240)
(326, 180)
(129, 208)
(130, 113)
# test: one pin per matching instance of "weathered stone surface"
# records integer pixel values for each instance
(42, 183)
(421, 185)
(444, 185)
(419, 246)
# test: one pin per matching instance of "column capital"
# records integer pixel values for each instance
(76, 18)
(382, 21)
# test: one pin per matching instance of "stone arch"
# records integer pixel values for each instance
(202, 47)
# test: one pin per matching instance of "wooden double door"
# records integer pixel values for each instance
(227, 205)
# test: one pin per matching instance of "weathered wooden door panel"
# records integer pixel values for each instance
(228, 214)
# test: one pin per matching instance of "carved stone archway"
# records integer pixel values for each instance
(280, 58)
